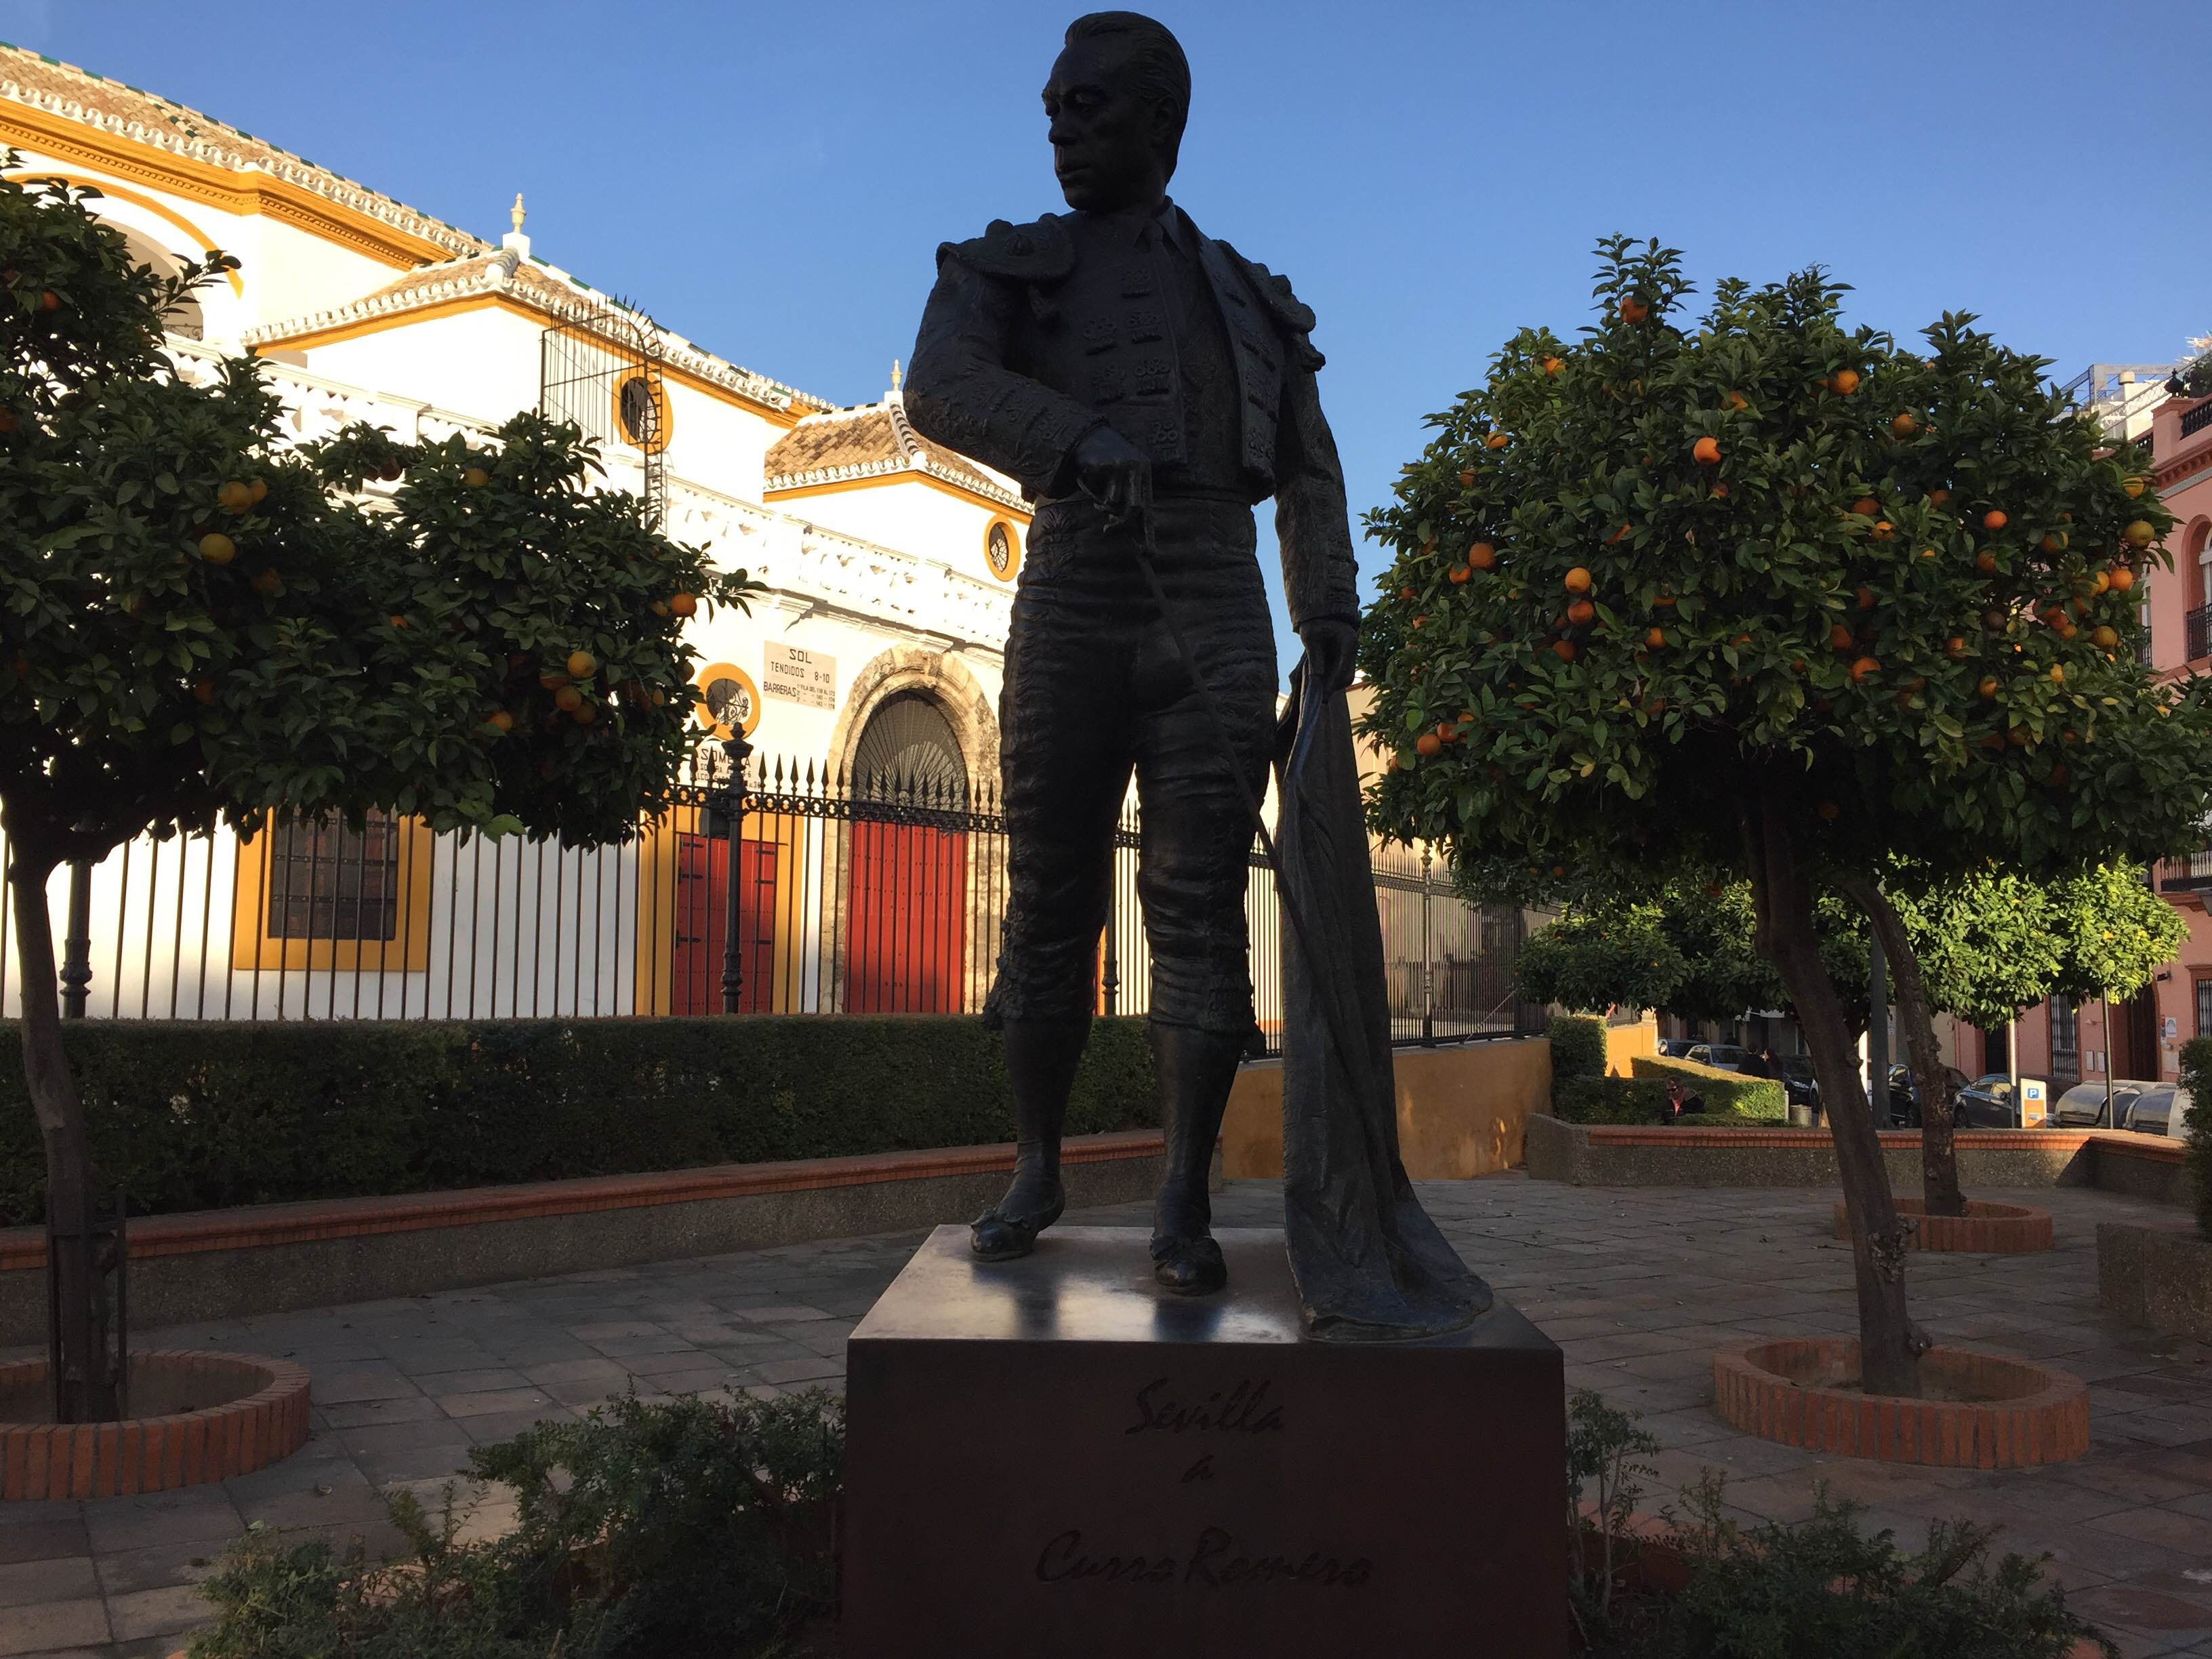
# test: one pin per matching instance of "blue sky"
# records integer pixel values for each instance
(772, 181)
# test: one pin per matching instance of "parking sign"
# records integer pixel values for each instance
(2033, 1109)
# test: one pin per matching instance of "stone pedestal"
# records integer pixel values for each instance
(1052, 1456)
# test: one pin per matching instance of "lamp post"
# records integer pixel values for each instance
(1877, 1029)
(730, 801)
(76, 941)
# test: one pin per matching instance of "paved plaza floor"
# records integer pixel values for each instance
(1637, 1286)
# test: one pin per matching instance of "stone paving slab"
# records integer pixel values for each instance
(1638, 1287)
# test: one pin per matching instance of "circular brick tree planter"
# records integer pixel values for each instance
(204, 1417)
(1990, 1229)
(1984, 1412)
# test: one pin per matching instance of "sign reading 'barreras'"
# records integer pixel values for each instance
(798, 676)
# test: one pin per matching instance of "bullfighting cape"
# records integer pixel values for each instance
(1368, 1263)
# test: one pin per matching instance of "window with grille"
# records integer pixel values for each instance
(330, 881)
(2065, 1027)
(2204, 1008)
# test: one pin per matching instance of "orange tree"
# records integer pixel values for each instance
(1757, 596)
(198, 622)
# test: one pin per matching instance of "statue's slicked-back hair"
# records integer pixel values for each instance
(1162, 73)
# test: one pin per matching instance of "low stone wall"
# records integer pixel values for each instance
(231, 1264)
(1610, 1155)
(1462, 1110)
(2159, 1277)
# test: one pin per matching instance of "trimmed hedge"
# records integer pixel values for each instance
(1609, 1100)
(2197, 1078)
(1753, 1099)
(196, 1116)
(1577, 1045)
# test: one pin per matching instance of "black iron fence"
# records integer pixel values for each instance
(2199, 626)
(886, 899)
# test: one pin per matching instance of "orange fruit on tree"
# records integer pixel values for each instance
(1458, 576)
(1938, 497)
(1482, 555)
(1904, 425)
(1956, 647)
(1664, 599)
(203, 692)
(552, 681)
(1720, 491)
(1406, 592)
(1864, 670)
(396, 621)
(1737, 400)
(235, 497)
(1866, 507)
(1496, 441)
(1988, 689)
(2058, 673)
(1564, 650)
(267, 583)
(1866, 599)
(1843, 381)
(1655, 638)
(1633, 310)
(1841, 637)
(567, 698)
(49, 301)
(1985, 561)
(1616, 535)
(2122, 578)
(583, 665)
(585, 713)
(1427, 744)
(215, 548)
(684, 605)
(2018, 737)
(476, 477)
(1927, 552)
(1706, 451)
(1421, 621)
(2140, 533)
(1552, 365)
(260, 489)
(501, 718)
(2051, 541)
(1995, 519)
(1883, 529)
(1581, 612)
(2105, 638)
(2103, 582)
(2134, 486)
(1467, 478)
(2058, 775)
(1578, 579)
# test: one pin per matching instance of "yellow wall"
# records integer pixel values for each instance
(1622, 1043)
(1462, 1110)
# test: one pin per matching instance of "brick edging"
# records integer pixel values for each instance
(52, 1460)
(23, 1249)
(1985, 1229)
(2038, 1415)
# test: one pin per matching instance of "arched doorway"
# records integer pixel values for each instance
(183, 318)
(906, 918)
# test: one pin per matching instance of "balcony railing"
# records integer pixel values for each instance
(2192, 874)
(2199, 622)
(2194, 420)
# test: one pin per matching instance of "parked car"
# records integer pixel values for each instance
(1904, 1103)
(2084, 1106)
(1676, 1048)
(1721, 1057)
(1987, 1101)
(2163, 1110)
(1799, 1085)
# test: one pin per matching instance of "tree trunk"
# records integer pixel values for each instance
(1939, 1153)
(1889, 1347)
(82, 1368)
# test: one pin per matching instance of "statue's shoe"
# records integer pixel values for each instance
(995, 1236)
(1189, 1266)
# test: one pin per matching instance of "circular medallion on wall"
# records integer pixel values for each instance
(732, 701)
(1002, 550)
(641, 413)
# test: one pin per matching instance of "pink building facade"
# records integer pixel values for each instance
(2142, 1036)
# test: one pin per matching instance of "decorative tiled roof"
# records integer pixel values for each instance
(873, 440)
(543, 287)
(62, 89)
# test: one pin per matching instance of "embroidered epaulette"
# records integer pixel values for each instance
(1039, 251)
(1294, 313)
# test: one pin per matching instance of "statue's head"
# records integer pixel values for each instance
(1118, 97)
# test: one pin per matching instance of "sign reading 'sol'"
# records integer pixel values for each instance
(798, 675)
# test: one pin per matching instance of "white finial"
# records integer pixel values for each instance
(515, 240)
(896, 376)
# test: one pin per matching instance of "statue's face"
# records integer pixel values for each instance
(1106, 139)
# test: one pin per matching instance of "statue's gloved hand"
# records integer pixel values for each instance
(1332, 652)
(1113, 472)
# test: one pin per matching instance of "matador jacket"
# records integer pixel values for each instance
(1025, 349)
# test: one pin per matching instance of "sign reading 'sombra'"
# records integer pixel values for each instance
(799, 676)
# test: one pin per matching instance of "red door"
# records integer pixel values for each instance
(702, 909)
(905, 944)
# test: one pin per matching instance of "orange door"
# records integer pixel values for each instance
(703, 910)
(905, 944)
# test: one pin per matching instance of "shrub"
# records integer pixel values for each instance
(2197, 1078)
(1610, 1100)
(190, 1115)
(1753, 1099)
(1577, 1046)
(679, 1529)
